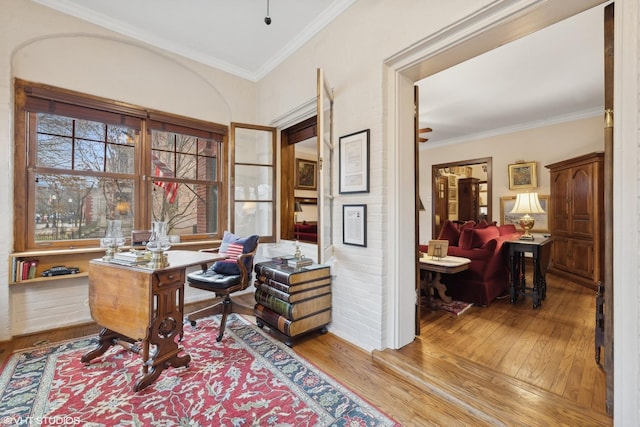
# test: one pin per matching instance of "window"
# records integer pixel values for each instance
(81, 160)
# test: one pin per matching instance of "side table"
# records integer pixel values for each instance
(540, 248)
(437, 266)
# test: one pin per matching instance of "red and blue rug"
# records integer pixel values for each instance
(247, 379)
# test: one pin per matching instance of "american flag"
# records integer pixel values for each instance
(162, 170)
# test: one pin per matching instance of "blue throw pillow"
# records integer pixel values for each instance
(231, 268)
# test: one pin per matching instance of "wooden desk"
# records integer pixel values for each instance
(139, 307)
(540, 248)
(447, 265)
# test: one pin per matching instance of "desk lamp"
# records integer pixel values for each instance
(527, 203)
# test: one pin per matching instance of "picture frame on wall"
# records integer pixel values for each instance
(523, 175)
(354, 225)
(306, 175)
(541, 224)
(354, 163)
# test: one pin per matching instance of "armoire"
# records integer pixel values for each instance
(577, 218)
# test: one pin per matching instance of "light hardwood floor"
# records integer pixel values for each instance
(499, 365)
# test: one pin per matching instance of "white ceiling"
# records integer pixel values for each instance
(230, 35)
(553, 75)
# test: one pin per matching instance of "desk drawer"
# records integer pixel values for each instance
(170, 278)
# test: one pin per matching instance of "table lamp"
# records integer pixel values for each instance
(527, 203)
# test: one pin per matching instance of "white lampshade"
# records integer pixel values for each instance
(527, 203)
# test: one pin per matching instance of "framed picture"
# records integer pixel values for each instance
(453, 181)
(542, 220)
(306, 173)
(354, 225)
(523, 175)
(354, 162)
(453, 208)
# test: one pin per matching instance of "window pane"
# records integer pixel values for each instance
(253, 182)
(162, 140)
(91, 130)
(186, 144)
(187, 208)
(186, 165)
(253, 146)
(120, 159)
(73, 207)
(54, 152)
(54, 125)
(253, 217)
(89, 156)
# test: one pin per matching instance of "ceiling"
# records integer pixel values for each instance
(553, 75)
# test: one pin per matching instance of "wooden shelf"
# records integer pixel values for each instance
(51, 279)
(76, 257)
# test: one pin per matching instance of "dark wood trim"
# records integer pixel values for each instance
(608, 204)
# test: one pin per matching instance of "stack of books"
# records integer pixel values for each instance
(299, 262)
(129, 258)
(23, 269)
(293, 301)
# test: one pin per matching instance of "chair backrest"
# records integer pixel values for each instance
(245, 264)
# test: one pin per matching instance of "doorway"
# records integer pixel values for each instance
(465, 41)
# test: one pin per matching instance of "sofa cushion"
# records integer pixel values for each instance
(466, 239)
(477, 237)
(483, 235)
(449, 232)
(507, 229)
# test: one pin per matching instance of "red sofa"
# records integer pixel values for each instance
(488, 273)
(306, 231)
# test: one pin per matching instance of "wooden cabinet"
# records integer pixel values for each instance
(468, 199)
(576, 220)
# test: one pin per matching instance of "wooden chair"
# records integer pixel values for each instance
(223, 285)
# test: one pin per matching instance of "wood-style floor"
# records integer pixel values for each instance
(500, 365)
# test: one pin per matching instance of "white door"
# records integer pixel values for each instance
(325, 174)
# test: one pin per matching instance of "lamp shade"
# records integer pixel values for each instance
(527, 203)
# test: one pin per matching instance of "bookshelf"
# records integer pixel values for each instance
(76, 257)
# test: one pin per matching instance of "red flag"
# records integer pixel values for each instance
(162, 170)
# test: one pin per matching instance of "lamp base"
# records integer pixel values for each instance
(527, 222)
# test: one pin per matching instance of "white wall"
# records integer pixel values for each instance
(545, 145)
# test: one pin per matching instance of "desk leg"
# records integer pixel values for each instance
(163, 333)
(107, 338)
(441, 287)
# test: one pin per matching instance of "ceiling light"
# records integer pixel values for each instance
(267, 19)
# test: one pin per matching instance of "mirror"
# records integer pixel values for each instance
(461, 191)
(298, 185)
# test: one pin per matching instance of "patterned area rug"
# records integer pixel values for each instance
(247, 379)
(453, 307)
